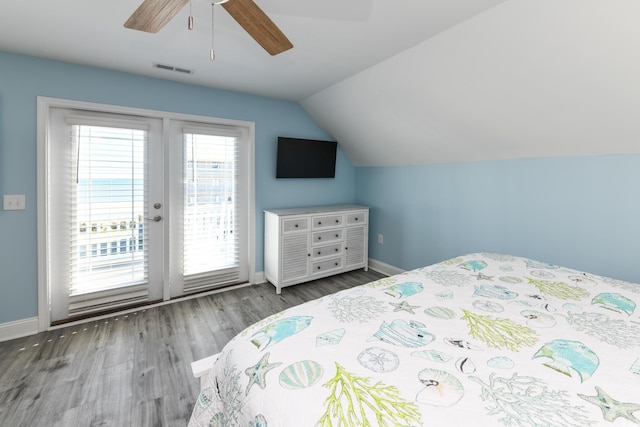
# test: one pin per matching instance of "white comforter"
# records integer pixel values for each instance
(481, 340)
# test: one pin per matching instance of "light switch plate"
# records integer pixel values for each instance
(13, 202)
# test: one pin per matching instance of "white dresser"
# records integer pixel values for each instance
(303, 244)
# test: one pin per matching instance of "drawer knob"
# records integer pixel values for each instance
(336, 249)
(319, 252)
(319, 222)
(337, 221)
(336, 263)
(296, 226)
(318, 267)
(319, 238)
(337, 235)
(356, 218)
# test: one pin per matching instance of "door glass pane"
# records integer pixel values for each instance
(210, 185)
(108, 230)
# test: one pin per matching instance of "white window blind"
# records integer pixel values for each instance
(139, 206)
(108, 233)
(210, 209)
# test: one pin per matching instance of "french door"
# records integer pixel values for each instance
(208, 221)
(140, 209)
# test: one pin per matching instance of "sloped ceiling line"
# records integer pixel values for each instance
(523, 79)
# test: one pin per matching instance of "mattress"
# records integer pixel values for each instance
(482, 339)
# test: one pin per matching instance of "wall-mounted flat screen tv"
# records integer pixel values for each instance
(306, 158)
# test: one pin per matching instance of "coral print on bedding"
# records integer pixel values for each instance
(482, 339)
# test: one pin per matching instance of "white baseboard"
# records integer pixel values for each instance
(25, 327)
(259, 278)
(384, 268)
(18, 329)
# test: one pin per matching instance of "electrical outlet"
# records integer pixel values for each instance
(380, 239)
(13, 202)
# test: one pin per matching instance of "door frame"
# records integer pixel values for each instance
(45, 104)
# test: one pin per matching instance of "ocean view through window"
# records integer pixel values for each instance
(108, 211)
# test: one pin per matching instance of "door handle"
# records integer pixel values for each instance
(156, 218)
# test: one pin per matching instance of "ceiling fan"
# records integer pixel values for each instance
(152, 15)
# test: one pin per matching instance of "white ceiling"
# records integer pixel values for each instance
(395, 82)
(332, 39)
(527, 78)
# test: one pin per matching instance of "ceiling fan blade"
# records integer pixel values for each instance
(258, 25)
(152, 15)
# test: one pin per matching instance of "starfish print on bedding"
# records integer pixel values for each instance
(481, 276)
(257, 372)
(403, 306)
(611, 408)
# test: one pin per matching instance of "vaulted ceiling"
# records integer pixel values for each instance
(396, 83)
(523, 79)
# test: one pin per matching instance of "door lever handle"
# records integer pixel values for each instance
(156, 218)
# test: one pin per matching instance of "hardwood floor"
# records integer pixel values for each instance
(134, 370)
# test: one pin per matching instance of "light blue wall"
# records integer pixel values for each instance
(580, 212)
(23, 78)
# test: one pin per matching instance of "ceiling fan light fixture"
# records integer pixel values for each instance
(212, 53)
(152, 15)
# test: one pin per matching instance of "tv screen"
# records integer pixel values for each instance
(306, 158)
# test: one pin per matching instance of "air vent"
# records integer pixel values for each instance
(172, 68)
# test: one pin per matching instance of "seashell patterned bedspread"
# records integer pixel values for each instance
(482, 339)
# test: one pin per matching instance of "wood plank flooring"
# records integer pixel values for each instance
(134, 369)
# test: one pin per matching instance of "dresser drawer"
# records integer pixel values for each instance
(323, 251)
(327, 236)
(356, 218)
(327, 265)
(295, 224)
(327, 221)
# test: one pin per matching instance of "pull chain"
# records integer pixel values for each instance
(213, 52)
(190, 20)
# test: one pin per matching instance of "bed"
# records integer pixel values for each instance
(481, 339)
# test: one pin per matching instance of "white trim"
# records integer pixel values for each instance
(166, 201)
(44, 105)
(384, 268)
(26, 327)
(31, 326)
(258, 278)
(117, 109)
(18, 329)
(251, 207)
